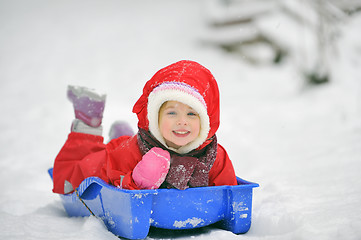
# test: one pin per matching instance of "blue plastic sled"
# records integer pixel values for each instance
(130, 213)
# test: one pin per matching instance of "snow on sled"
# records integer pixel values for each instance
(130, 213)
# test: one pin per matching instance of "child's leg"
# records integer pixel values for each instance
(83, 154)
(88, 105)
(120, 128)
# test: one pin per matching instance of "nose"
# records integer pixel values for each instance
(182, 121)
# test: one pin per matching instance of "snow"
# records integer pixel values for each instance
(193, 221)
(301, 144)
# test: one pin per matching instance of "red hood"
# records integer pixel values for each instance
(188, 72)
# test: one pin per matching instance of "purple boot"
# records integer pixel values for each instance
(120, 128)
(88, 105)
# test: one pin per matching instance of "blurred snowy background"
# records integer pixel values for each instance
(290, 82)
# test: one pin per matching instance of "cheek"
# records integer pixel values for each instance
(164, 125)
(196, 127)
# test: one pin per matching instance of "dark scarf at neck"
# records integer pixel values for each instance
(186, 170)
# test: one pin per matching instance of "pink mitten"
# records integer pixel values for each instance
(151, 171)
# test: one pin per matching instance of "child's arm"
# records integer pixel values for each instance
(222, 171)
(122, 156)
(150, 173)
(127, 168)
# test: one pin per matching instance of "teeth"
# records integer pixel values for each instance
(181, 132)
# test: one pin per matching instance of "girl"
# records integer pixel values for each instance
(175, 146)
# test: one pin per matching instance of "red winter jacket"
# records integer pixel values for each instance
(85, 155)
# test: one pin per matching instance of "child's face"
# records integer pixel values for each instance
(179, 124)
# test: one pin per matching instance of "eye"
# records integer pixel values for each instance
(171, 113)
(192, 114)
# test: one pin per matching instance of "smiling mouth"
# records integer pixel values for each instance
(182, 133)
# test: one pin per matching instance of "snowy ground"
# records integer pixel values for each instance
(302, 145)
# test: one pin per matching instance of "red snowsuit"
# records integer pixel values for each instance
(85, 155)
